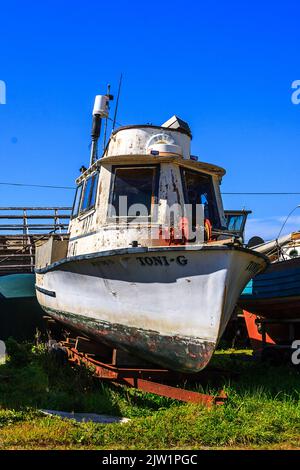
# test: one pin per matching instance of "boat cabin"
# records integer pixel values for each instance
(138, 192)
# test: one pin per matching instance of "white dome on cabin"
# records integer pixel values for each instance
(146, 140)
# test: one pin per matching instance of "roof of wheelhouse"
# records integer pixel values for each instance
(148, 159)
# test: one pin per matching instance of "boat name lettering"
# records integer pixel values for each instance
(161, 260)
(253, 267)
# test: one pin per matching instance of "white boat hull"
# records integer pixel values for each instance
(167, 305)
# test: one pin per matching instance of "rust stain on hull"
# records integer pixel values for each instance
(175, 352)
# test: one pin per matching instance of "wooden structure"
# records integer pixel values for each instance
(21, 228)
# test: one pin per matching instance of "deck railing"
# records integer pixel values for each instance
(21, 228)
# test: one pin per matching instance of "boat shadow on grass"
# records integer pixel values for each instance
(20, 318)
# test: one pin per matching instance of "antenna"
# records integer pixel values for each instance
(105, 125)
(285, 221)
(117, 102)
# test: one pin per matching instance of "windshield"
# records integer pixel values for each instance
(137, 185)
(234, 222)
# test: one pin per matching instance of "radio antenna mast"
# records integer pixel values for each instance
(117, 102)
(105, 125)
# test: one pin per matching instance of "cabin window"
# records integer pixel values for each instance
(139, 186)
(93, 195)
(89, 193)
(234, 222)
(77, 200)
(199, 189)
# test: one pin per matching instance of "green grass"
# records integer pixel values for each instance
(262, 410)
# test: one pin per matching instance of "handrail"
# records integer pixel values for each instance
(35, 208)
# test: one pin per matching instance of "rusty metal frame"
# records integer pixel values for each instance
(142, 378)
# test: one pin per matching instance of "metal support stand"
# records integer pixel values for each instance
(142, 378)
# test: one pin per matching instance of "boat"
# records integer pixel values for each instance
(271, 300)
(149, 266)
(20, 229)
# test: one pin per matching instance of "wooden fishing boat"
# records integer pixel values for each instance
(148, 275)
(271, 300)
(276, 292)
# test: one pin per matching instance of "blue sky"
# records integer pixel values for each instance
(225, 67)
